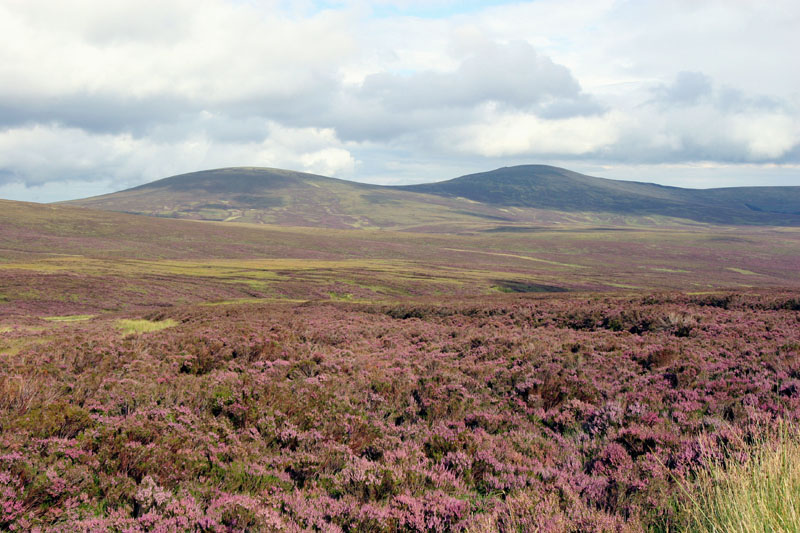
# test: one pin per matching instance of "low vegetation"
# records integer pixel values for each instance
(557, 413)
(750, 492)
(166, 375)
(131, 326)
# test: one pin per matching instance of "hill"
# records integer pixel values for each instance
(511, 196)
(547, 187)
(284, 197)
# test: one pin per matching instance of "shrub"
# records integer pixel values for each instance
(56, 420)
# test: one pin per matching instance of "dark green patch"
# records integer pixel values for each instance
(231, 180)
(56, 420)
(258, 202)
(517, 229)
(535, 229)
(525, 287)
(547, 187)
(484, 216)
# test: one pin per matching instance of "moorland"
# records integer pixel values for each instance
(289, 352)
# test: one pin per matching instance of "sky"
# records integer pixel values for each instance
(99, 96)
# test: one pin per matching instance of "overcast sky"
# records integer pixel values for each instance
(99, 95)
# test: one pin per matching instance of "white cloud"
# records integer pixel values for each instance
(206, 51)
(767, 136)
(517, 133)
(513, 74)
(53, 153)
(133, 90)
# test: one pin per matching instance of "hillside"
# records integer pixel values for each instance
(511, 196)
(284, 197)
(547, 187)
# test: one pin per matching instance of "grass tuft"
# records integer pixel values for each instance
(760, 493)
(130, 326)
(69, 318)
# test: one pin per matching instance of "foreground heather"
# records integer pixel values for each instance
(562, 414)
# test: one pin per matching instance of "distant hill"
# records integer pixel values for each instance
(547, 187)
(285, 197)
(510, 196)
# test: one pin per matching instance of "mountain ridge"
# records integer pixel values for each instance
(517, 186)
(517, 194)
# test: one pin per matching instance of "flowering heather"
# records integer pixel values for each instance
(510, 413)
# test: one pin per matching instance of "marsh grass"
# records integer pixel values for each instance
(133, 326)
(756, 495)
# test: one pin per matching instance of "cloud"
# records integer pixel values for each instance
(122, 92)
(513, 74)
(516, 133)
(391, 106)
(134, 62)
(54, 153)
(692, 119)
(688, 88)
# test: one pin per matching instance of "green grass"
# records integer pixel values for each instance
(758, 494)
(742, 271)
(17, 344)
(69, 318)
(131, 326)
(239, 301)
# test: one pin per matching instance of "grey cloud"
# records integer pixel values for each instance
(118, 113)
(689, 143)
(792, 157)
(582, 105)
(97, 113)
(508, 76)
(8, 175)
(733, 100)
(514, 75)
(689, 88)
(697, 88)
(360, 121)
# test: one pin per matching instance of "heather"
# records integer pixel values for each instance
(571, 412)
(61, 261)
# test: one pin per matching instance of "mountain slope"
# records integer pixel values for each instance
(521, 195)
(547, 187)
(274, 196)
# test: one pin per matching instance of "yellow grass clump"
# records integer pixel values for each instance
(759, 494)
(69, 318)
(130, 326)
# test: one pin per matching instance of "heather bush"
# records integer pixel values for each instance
(557, 414)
